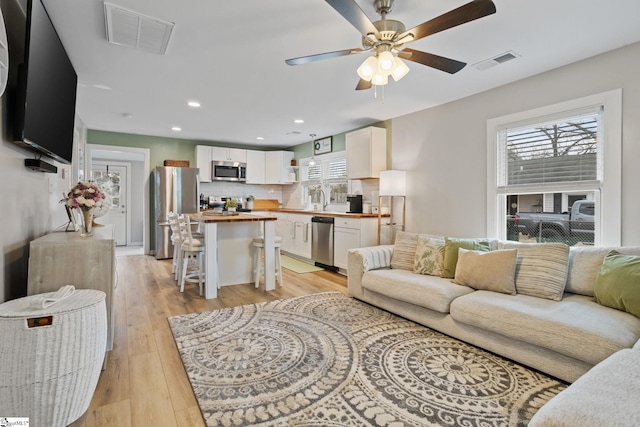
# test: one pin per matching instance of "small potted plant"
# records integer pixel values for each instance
(250, 199)
(231, 205)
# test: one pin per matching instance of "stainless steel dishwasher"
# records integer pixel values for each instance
(322, 241)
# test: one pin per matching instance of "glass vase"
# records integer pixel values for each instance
(86, 226)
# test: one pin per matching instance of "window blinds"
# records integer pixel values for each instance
(559, 154)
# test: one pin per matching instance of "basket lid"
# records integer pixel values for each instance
(51, 303)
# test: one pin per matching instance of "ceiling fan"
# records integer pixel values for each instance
(387, 38)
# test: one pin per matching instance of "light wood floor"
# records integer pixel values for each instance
(144, 383)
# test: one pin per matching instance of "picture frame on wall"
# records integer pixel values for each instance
(323, 145)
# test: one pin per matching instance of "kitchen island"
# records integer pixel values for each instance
(229, 252)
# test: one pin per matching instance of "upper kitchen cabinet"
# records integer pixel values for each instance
(255, 167)
(237, 155)
(366, 152)
(278, 166)
(203, 162)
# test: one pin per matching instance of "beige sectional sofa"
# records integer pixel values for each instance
(549, 320)
(564, 338)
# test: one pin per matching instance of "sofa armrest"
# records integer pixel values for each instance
(362, 260)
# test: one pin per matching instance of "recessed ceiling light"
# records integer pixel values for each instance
(260, 138)
(176, 128)
(194, 104)
(103, 87)
(298, 121)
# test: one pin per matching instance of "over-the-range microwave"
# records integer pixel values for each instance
(228, 171)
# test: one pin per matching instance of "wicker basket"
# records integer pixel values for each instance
(49, 372)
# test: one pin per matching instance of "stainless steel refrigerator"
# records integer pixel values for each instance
(176, 190)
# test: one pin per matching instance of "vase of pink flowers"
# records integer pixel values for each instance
(86, 196)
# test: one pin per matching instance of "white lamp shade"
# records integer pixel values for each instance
(380, 79)
(393, 183)
(367, 69)
(385, 62)
(400, 69)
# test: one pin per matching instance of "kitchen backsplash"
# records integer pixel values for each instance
(235, 189)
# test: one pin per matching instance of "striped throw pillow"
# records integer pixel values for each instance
(541, 269)
(404, 250)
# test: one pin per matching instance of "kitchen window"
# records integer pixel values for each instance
(545, 159)
(326, 181)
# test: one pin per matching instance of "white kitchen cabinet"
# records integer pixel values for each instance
(352, 233)
(366, 152)
(225, 154)
(255, 167)
(301, 244)
(278, 166)
(203, 162)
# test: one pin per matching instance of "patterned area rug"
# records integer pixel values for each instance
(329, 360)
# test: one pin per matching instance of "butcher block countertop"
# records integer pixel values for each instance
(240, 217)
(323, 213)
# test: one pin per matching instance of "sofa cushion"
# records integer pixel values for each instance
(404, 250)
(429, 257)
(542, 268)
(584, 265)
(451, 246)
(492, 271)
(434, 293)
(607, 395)
(577, 326)
(618, 283)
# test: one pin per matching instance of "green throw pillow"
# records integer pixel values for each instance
(451, 247)
(618, 283)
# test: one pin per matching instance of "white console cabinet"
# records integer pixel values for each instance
(65, 258)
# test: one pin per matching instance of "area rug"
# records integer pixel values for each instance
(298, 266)
(328, 360)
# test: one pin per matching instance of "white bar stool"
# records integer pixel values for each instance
(193, 251)
(258, 267)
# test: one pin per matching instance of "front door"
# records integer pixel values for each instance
(112, 180)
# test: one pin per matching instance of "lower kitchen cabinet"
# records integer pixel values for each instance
(352, 233)
(295, 230)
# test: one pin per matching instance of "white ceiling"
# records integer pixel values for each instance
(229, 56)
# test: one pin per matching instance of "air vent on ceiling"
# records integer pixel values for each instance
(496, 60)
(132, 29)
(293, 132)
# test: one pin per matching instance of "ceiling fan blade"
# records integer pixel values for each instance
(450, 66)
(350, 11)
(363, 84)
(466, 13)
(321, 56)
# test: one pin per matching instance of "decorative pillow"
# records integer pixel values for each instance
(585, 263)
(451, 247)
(429, 258)
(491, 271)
(618, 283)
(404, 250)
(541, 269)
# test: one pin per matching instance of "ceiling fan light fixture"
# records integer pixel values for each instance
(385, 62)
(367, 69)
(380, 79)
(400, 69)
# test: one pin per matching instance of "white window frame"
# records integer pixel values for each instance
(324, 181)
(608, 223)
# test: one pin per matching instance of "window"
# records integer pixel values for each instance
(545, 160)
(326, 181)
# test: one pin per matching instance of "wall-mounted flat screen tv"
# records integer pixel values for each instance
(46, 90)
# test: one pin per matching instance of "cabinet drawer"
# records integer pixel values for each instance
(348, 223)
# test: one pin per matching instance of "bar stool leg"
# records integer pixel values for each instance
(278, 267)
(257, 270)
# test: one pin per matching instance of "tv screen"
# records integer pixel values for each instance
(46, 92)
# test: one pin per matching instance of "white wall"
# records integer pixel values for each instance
(443, 149)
